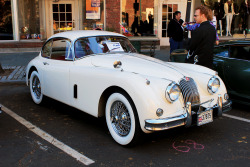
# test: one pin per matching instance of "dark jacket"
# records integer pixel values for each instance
(202, 44)
(175, 31)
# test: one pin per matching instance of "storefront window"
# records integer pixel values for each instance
(92, 14)
(138, 17)
(167, 14)
(232, 16)
(6, 28)
(62, 17)
(30, 17)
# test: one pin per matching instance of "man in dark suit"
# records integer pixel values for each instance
(175, 32)
(203, 39)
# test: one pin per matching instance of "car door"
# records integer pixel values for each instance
(220, 57)
(56, 70)
(237, 70)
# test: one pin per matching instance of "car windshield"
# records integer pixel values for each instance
(102, 44)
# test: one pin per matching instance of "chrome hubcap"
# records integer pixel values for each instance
(36, 87)
(120, 118)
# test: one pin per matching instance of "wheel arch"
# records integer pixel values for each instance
(105, 95)
(33, 68)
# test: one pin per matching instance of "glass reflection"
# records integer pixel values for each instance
(6, 31)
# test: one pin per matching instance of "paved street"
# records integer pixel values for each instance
(225, 142)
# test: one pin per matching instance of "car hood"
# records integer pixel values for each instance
(141, 64)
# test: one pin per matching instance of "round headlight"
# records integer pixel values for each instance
(172, 92)
(213, 85)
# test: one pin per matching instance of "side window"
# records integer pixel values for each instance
(221, 51)
(61, 49)
(240, 52)
(47, 49)
(82, 48)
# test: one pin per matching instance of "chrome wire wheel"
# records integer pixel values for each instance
(36, 87)
(120, 118)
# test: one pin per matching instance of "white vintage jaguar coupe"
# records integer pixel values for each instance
(101, 74)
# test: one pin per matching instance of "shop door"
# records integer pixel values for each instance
(166, 14)
(63, 16)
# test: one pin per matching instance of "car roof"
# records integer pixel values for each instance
(73, 35)
(236, 42)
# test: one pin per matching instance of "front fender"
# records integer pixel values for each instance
(148, 95)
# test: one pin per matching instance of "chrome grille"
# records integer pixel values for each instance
(189, 91)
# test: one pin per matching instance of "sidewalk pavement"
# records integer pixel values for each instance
(16, 75)
(15, 63)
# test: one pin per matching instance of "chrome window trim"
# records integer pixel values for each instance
(74, 42)
(58, 38)
(50, 48)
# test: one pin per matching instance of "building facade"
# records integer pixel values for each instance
(37, 20)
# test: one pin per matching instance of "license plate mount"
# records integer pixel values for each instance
(204, 117)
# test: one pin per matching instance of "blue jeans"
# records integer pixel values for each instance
(175, 45)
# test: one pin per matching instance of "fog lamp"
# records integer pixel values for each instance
(159, 112)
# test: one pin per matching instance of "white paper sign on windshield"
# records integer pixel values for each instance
(114, 46)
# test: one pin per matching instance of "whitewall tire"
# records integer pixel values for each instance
(122, 119)
(35, 88)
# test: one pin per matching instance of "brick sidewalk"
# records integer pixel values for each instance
(17, 74)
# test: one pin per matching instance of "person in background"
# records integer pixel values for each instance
(192, 27)
(175, 32)
(203, 38)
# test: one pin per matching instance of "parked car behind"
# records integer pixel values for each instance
(101, 74)
(232, 62)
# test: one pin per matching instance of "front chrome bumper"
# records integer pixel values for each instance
(185, 119)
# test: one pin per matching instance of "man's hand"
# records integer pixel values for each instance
(184, 24)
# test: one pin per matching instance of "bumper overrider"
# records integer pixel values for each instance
(188, 119)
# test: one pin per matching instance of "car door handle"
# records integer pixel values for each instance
(45, 63)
